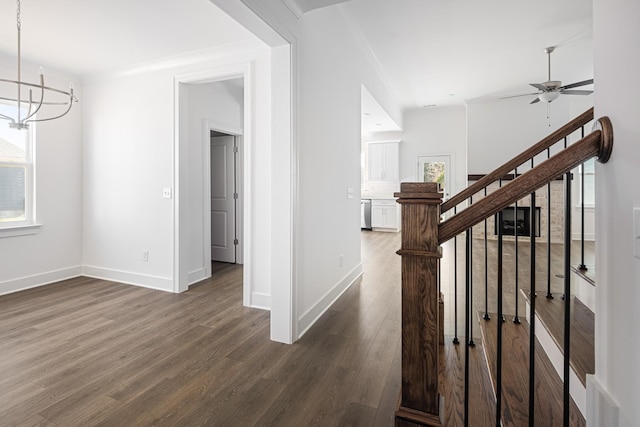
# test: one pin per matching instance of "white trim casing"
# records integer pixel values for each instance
(244, 70)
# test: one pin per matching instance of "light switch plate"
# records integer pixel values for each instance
(166, 193)
(636, 232)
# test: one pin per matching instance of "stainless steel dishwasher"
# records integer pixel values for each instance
(365, 216)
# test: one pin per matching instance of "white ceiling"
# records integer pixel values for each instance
(91, 36)
(453, 51)
(300, 7)
(374, 117)
(431, 51)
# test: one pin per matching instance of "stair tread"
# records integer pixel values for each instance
(589, 275)
(482, 401)
(550, 311)
(515, 376)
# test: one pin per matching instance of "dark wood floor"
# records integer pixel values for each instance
(87, 352)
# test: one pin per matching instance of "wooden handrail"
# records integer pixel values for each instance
(598, 143)
(518, 160)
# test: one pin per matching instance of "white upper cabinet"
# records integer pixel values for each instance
(384, 162)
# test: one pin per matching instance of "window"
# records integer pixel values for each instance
(16, 173)
(587, 170)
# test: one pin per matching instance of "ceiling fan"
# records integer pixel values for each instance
(551, 89)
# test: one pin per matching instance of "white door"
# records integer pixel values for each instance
(223, 199)
(436, 169)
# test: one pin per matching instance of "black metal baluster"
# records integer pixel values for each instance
(486, 270)
(455, 287)
(470, 289)
(582, 266)
(532, 309)
(466, 327)
(499, 326)
(567, 296)
(500, 225)
(549, 294)
(516, 318)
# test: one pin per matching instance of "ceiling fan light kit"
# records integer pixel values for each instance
(548, 96)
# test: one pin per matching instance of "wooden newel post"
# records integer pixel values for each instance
(420, 401)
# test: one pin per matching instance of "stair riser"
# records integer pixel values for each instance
(576, 389)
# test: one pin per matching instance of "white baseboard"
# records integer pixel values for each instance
(197, 275)
(41, 279)
(588, 237)
(142, 280)
(313, 314)
(260, 300)
(602, 409)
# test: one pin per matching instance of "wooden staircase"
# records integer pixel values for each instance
(548, 387)
(530, 362)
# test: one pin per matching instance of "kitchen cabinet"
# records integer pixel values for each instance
(384, 162)
(385, 215)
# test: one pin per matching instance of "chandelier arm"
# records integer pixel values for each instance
(29, 113)
(70, 104)
(64, 92)
(44, 103)
(11, 119)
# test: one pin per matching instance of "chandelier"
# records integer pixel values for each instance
(61, 100)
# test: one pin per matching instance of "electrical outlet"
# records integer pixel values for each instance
(145, 256)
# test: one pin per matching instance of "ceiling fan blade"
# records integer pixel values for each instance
(539, 86)
(517, 96)
(576, 92)
(578, 84)
(535, 100)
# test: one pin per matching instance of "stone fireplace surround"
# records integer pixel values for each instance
(557, 213)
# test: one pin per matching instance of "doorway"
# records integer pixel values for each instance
(224, 196)
(210, 156)
(436, 169)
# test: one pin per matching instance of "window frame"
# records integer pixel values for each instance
(27, 225)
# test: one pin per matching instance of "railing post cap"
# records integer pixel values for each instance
(420, 190)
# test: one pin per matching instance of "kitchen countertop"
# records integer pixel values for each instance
(377, 196)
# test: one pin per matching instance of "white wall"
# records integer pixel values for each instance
(332, 68)
(328, 68)
(129, 158)
(54, 253)
(617, 60)
(431, 132)
(499, 130)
